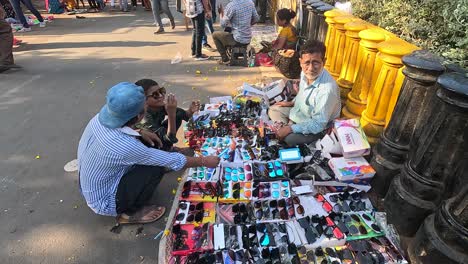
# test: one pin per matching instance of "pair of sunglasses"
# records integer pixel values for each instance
(186, 189)
(195, 213)
(325, 204)
(299, 209)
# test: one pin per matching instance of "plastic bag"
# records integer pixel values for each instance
(262, 59)
(177, 58)
(346, 6)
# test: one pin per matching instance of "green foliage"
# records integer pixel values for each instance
(439, 26)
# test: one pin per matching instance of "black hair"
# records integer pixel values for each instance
(313, 46)
(134, 120)
(146, 84)
(286, 14)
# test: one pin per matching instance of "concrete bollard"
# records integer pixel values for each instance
(432, 167)
(350, 62)
(357, 98)
(313, 20)
(443, 237)
(322, 25)
(421, 70)
(330, 38)
(389, 56)
(337, 53)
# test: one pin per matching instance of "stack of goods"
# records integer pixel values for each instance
(252, 208)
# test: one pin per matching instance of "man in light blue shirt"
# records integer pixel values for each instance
(316, 105)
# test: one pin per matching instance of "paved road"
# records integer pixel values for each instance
(68, 68)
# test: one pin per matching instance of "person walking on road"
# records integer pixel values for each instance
(197, 10)
(161, 5)
(19, 12)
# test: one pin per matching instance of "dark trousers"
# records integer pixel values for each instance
(17, 7)
(213, 12)
(198, 32)
(136, 188)
(222, 40)
(6, 43)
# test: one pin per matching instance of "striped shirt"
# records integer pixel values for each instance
(315, 105)
(105, 155)
(193, 8)
(240, 15)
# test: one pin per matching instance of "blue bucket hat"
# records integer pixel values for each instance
(124, 101)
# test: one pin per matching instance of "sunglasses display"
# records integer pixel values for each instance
(260, 207)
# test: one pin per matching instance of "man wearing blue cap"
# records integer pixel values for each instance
(118, 173)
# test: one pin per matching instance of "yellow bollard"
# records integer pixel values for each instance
(357, 98)
(337, 53)
(373, 117)
(330, 38)
(351, 61)
(395, 94)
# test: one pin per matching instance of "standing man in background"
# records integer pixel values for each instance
(6, 44)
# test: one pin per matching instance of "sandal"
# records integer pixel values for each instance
(147, 214)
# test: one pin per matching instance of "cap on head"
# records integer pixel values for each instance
(124, 101)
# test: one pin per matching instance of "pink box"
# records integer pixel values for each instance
(352, 139)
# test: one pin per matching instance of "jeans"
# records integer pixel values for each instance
(213, 12)
(198, 24)
(6, 43)
(136, 188)
(210, 26)
(222, 40)
(17, 7)
(161, 5)
(124, 5)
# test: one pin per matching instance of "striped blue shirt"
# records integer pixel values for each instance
(315, 105)
(240, 15)
(105, 155)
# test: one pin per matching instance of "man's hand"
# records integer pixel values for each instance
(221, 10)
(208, 14)
(283, 132)
(150, 138)
(285, 104)
(171, 104)
(210, 161)
(194, 107)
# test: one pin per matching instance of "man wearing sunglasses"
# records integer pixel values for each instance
(163, 117)
(117, 172)
(316, 105)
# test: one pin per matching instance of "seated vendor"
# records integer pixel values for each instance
(287, 37)
(157, 109)
(316, 105)
(117, 172)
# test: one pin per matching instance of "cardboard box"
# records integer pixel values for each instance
(353, 170)
(352, 139)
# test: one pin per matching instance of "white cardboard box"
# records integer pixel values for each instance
(352, 170)
(352, 138)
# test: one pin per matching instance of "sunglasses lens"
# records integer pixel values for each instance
(180, 217)
(183, 206)
(355, 218)
(376, 228)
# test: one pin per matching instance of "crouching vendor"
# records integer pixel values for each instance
(117, 172)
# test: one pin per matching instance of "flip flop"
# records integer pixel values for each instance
(138, 217)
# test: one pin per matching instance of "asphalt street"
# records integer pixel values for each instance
(68, 68)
